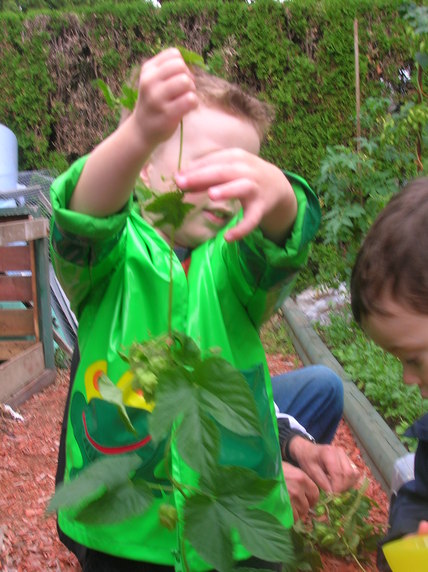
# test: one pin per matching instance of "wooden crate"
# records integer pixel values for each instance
(26, 335)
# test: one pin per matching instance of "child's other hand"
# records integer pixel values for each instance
(166, 92)
(263, 190)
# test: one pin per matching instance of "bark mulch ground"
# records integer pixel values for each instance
(28, 454)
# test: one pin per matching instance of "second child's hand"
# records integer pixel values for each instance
(327, 465)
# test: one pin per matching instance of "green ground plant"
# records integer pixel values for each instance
(355, 185)
(340, 525)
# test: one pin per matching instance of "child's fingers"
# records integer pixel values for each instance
(165, 78)
(165, 55)
(251, 220)
(177, 108)
(168, 80)
(170, 68)
(241, 189)
(171, 91)
(211, 176)
(167, 92)
(163, 61)
(199, 178)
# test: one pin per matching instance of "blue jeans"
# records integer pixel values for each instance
(313, 395)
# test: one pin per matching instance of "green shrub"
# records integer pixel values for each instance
(298, 55)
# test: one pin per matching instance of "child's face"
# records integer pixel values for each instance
(403, 333)
(205, 130)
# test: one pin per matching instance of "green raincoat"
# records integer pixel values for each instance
(115, 272)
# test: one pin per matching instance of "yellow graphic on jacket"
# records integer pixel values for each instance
(131, 397)
(99, 429)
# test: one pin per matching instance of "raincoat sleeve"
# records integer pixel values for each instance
(79, 242)
(263, 273)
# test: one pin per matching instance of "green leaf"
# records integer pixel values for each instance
(198, 440)
(192, 58)
(236, 489)
(207, 529)
(111, 100)
(104, 474)
(123, 356)
(263, 535)
(354, 210)
(175, 396)
(306, 555)
(113, 394)
(232, 482)
(143, 192)
(185, 349)
(354, 541)
(121, 503)
(226, 396)
(208, 525)
(422, 59)
(129, 97)
(153, 354)
(171, 208)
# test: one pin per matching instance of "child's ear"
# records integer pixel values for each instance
(145, 174)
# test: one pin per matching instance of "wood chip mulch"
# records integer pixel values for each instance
(28, 455)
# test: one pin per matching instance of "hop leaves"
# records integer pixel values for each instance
(340, 526)
(168, 516)
(170, 207)
(147, 381)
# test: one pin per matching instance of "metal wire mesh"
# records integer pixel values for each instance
(31, 197)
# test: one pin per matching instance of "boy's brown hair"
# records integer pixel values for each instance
(229, 97)
(393, 259)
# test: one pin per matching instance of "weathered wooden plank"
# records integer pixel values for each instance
(23, 230)
(14, 258)
(20, 370)
(35, 297)
(47, 377)
(16, 323)
(16, 288)
(41, 250)
(11, 348)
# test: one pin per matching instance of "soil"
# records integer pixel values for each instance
(28, 454)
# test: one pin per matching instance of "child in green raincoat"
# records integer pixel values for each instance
(235, 259)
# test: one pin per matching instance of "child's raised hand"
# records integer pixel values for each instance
(264, 192)
(166, 92)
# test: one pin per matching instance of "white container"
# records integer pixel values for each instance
(8, 160)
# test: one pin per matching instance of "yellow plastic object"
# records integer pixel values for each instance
(409, 554)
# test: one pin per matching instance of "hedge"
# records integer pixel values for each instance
(299, 55)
